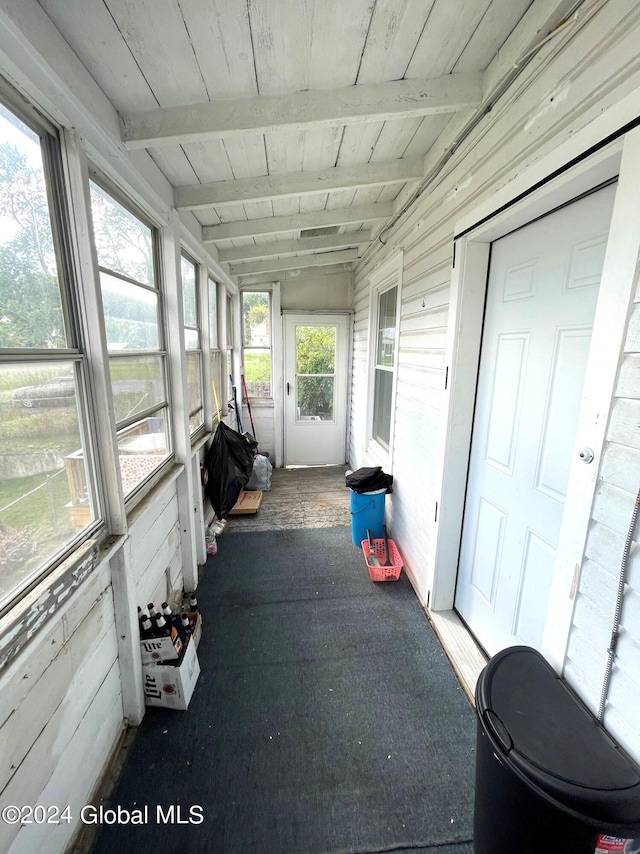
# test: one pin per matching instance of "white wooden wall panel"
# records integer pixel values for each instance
(79, 770)
(553, 98)
(51, 694)
(156, 562)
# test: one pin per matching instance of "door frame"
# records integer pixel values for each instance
(280, 420)
(530, 197)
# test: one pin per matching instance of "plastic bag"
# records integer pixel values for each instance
(229, 462)
(261, 475)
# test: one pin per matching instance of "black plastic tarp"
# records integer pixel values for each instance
(369, 479)
(229, 463)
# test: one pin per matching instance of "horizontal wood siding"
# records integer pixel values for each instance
(156, 559)
(60, 714)
(596, 599)
(583, 71)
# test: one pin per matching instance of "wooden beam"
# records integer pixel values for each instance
(298, 183)
(291, 247)
(298, 261)
(293, 275)
(399, 99)
(295, 222)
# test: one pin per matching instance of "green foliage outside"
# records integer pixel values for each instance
(315, 354)
(255, 313)
(31, 312)
(36, 509)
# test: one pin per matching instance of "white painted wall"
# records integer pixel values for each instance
(584, 73)
(317, 292)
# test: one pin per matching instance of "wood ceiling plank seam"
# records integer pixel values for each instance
(246, 155)
(450, 28)
(496, 26)
(210, 161)
(395, 31)
(222, 43)
(90, 30)
(154, 30)
(173, 163)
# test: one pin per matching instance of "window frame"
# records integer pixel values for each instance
(268, 292)
(199, 328)
(387, 277)
(215, 352)
(59, 202)
(146, 484)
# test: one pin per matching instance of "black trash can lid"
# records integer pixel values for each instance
(541, 729)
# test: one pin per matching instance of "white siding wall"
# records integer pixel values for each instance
(595, 602)
(61, 714)
(586, 70)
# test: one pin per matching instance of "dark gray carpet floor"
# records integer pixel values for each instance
(326, 717)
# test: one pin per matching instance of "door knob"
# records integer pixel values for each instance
(586, 455)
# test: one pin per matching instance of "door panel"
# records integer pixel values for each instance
(541, 301)
(315, 389)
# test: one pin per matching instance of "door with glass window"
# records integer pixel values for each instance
(315, 389)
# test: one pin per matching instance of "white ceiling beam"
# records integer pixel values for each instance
(399, 99)
(298, 183)
(293, 275)
(295, 222)
(291, 247)
(298, 261)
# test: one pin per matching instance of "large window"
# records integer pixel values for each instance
(256, 341)
(193, 342)
(132, 307)
(47, 495)
(384, 301)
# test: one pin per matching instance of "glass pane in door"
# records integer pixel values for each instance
(315, 372)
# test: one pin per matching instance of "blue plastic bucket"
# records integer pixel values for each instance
(367, 511)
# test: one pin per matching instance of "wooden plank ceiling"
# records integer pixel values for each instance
(290, 128)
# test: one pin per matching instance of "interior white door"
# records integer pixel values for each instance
(541, 302)
(315, 376)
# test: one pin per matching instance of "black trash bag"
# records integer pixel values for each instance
(369, 479)
(229, 463)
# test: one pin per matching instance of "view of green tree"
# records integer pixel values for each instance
(124, 244)
(255, 311)
(315, 354)
(29, 295)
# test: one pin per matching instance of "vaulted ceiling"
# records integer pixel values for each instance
(292, 129)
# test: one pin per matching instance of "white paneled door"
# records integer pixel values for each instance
(315, 394)
(541, 302)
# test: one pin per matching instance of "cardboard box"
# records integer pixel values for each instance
(161, 649)
(171, 685)
(195, 618)
(248, 502)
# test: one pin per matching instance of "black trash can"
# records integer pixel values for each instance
(549, 778)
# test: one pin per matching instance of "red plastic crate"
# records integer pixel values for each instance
(383, 573)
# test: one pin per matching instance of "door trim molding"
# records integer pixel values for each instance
(468, 291)
(286, 314)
